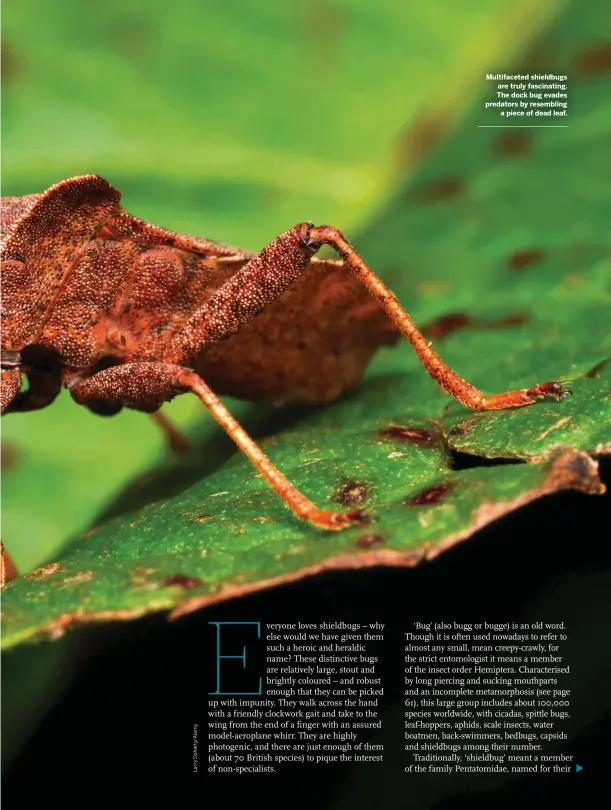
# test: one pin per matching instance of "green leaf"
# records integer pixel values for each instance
(497, 246)
(227, 536)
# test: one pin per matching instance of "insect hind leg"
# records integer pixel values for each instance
(145, 386)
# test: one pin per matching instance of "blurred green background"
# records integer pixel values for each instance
(231, 120)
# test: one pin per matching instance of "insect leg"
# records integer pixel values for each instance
(44, 387)
(443, 374)
(176, 441)
(144, 386)
(11, 383)
(259, 282)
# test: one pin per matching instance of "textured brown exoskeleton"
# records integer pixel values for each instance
(126, 314)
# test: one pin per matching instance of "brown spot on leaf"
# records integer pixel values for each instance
(455, 321)
(352, 493)
(431, 495)
(182, 581)
(446, 324)
(415, 435)
(522, 259)
(369, 540)
(420, 138)
(513, 144)
(595, 61)
(444, 188)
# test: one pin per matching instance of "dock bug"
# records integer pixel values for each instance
(127, 314)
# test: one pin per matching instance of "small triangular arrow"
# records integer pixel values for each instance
(578, 768)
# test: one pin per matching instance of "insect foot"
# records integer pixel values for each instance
(524, 396)
(336, 521)
(550, 390)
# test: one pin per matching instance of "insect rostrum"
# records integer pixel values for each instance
(127, 314)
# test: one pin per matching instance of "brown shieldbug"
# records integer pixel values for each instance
(126, 314)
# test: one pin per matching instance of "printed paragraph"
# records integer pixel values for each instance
(320, 696)
(485, 697)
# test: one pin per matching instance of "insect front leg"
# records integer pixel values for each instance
(144, 386)
(11, 385)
